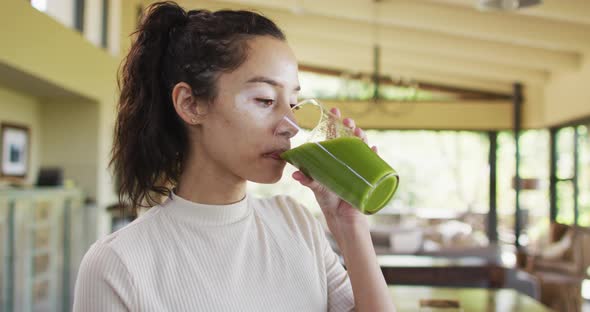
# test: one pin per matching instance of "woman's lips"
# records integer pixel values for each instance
(276, 154)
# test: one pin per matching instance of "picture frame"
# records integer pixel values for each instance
(15, 144)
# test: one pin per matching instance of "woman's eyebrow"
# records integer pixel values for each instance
(269, 81)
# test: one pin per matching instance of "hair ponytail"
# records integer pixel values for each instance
(171, 46)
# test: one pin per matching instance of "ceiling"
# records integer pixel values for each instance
(448, 42)
(30, 84)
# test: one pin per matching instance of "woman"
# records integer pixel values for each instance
(202, 94)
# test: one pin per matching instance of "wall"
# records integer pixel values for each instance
(73, 63)
(44, 48)
(64, 133)
(18, 108)
(567, 96)
(70, 133)
(533, 108)
(455, 116)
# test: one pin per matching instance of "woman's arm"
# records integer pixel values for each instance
(350, 229)
(368, 285)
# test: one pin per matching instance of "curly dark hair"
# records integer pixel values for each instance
(171, 46)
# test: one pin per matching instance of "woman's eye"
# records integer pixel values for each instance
(266, 102)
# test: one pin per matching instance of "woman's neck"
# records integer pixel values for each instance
(205, 182)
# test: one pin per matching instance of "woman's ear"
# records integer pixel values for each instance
(191, 110)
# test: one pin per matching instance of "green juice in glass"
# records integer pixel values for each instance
(349, 168)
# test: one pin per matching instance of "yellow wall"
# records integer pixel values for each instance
(48, 50)
(77, 134)
(71, 142)
(21, 109)
(533, 108)
(68, 142)
(44, 48)
(41, 47)
(567, 96)
(456, 116)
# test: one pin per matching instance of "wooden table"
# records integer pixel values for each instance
(441, 271)
(407, 298)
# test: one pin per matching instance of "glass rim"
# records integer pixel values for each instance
(375, 186)
(316, 125)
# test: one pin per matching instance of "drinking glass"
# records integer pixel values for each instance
(326, 150)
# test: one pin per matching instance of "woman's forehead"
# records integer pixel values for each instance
(269, 58)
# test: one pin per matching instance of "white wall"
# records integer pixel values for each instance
(18, 108)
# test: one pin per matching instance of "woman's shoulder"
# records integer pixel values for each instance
(128, 236)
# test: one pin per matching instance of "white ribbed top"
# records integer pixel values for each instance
(253, 255)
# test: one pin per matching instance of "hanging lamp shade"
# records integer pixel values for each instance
(507, 5)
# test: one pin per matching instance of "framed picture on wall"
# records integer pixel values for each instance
(15, 144)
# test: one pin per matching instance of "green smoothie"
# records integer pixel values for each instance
(349, 168)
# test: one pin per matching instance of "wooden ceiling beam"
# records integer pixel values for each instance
(424, 75)
(311, 50)
(403, 39)
(460, 21)
(460, 93)
(570, 11)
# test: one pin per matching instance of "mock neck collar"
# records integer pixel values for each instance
(205, 214)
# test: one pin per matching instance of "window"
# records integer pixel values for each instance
(79, 15)
(345, 88)
(64, 11)
(534, 194)
(40, 5)
(439, 170)
(88, 17)
(584, 175)
(506, 198)
(105, 24)
(565, 175)
(573, 175)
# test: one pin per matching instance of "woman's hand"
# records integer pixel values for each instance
(350, 229)
(335, 209)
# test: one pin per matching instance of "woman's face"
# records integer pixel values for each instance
(242, 132)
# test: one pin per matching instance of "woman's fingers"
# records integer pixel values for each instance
(335, 111)
(307, 181)
(350, 123)
(333, 119)
(361, 134)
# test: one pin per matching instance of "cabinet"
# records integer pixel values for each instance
(43, 238)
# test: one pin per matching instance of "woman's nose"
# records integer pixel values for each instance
(287, 126)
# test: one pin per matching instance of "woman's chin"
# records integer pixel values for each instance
(270, 178)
